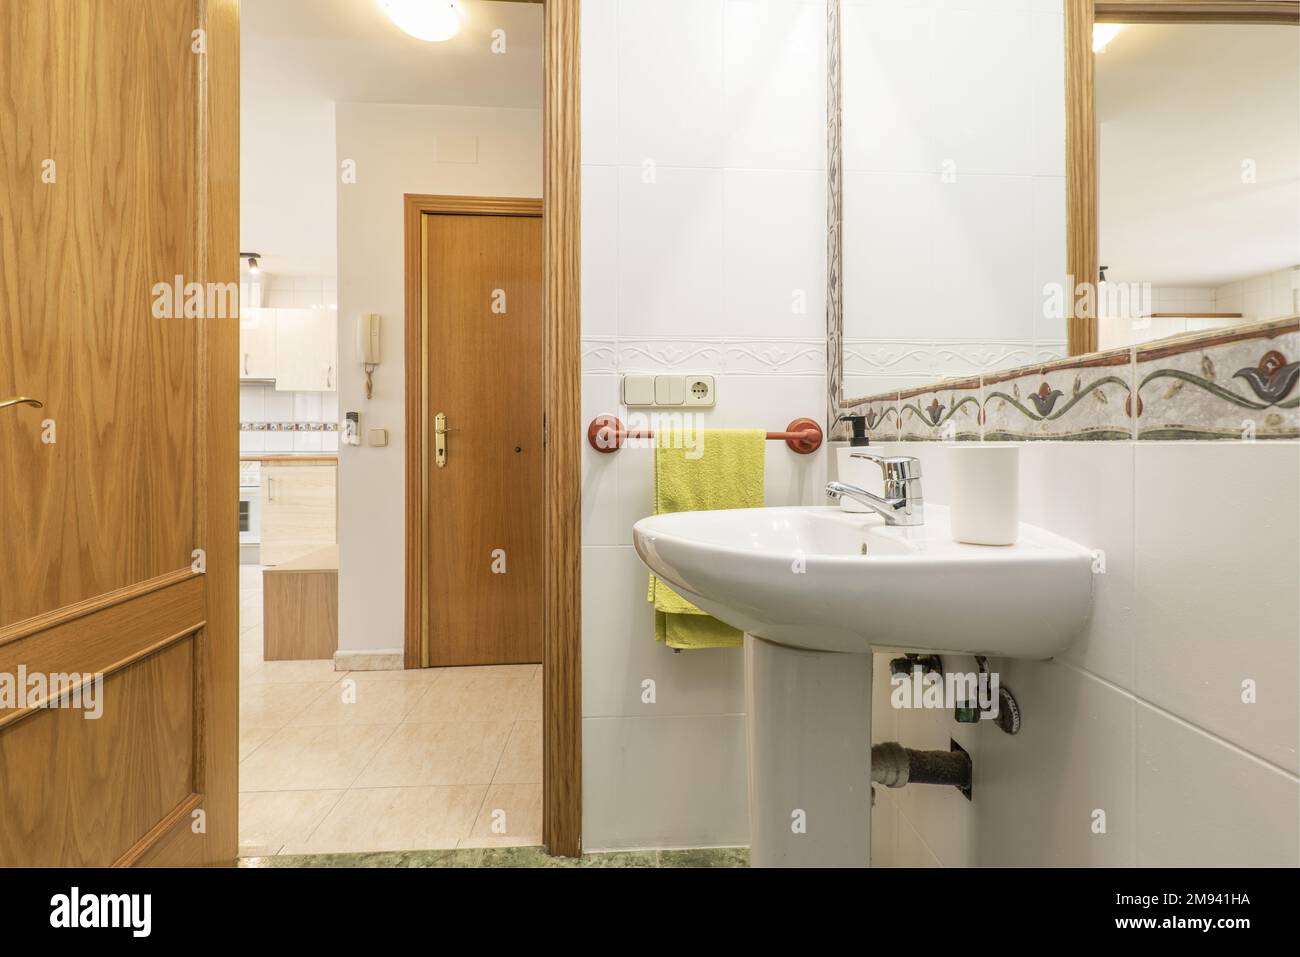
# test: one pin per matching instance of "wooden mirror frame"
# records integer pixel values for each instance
(1081, 174)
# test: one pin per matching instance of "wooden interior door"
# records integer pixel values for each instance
(481, 302)
(119, 495)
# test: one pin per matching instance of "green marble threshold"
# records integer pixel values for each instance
(510, 857)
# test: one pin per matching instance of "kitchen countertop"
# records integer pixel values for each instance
(291, 458)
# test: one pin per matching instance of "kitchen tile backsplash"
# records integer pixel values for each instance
(271, 421)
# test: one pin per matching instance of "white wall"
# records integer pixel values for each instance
(698, 269)
(954, 188)
(395, 150)
(1143, 716)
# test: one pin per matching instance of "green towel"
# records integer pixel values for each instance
(699, 470)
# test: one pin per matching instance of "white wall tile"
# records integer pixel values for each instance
(252, 403)
(1202, 803)
(1084, 491)
(774, 84)
(600, 470)
(670, 252)
(1047, 61)
(775, 253)
(619, 650)
(278, 406)
(599, 251)
(664, 782)
(599, 66)
(670, 88)
(1036, 792)
(984, 104)
(912, 850)
(1049, 254)
(1217, 561)
(252, 441)
(889, 84)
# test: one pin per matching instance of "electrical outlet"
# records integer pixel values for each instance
(700, 390)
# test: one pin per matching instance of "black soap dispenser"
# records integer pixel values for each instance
(859, 425)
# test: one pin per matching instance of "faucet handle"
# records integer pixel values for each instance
(896, 468)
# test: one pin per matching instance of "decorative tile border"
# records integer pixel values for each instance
(288, 426)
(950, 412)
(1243, 383)
(617, 356)
(936, 358)
(1235, 385)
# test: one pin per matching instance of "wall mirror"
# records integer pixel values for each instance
(986, 167)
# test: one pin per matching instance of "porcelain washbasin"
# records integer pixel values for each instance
(827, 580)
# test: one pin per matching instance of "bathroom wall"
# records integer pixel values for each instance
(1143, 717)
(954, 187)
(399, 149)
(704, 235)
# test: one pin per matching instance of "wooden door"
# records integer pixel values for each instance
(119, 165)
(482, 305)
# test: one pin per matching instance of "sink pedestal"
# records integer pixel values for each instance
(808, 729)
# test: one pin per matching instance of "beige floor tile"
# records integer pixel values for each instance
(423, 675)
(511, 817)
(254, 671)
(531, 707)
(438, 753)
(471, 697)
(353, 701)
(521, 762)
(250, 739)
(491, 671)
(275, 705)
(313, 758)
(271, 819)
(250, 640)
(395, 819)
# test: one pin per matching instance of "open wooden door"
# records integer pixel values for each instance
(118, 494)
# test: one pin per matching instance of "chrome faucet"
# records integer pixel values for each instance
(903, 503)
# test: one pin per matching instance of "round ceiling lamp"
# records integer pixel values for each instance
(430, 20)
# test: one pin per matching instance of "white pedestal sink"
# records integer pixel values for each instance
(817, 591)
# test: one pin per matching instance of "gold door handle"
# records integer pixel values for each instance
(440, 439)
(22, 400)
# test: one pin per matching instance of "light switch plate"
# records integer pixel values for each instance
(670, 390)
(638, 390)
(378, 437)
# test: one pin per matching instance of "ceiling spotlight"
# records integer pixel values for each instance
(431, 20)
(253, 266)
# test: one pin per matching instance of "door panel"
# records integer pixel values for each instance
(483, 296)
(117, 177)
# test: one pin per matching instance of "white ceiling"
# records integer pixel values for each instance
(1179, 108)
(299, 57)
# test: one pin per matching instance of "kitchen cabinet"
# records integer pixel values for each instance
(298, 510)
(257, 343)
(306, 350)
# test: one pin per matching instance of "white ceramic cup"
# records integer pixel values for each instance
(985, 493)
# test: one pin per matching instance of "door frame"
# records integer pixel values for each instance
(561, 386)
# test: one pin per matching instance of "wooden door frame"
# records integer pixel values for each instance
(561, 384)
(1082, 233)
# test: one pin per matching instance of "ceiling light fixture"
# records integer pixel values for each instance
(431, 20)
(1103, 33)
(253, 266)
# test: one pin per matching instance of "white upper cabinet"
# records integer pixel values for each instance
(306, 350)
(256, 343)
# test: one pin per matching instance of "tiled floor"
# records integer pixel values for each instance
(369, 761)
(513, 857)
